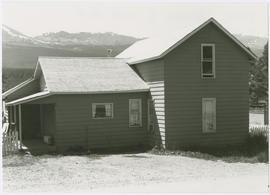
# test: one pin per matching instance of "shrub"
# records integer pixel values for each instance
(263, 157)
(256, 142)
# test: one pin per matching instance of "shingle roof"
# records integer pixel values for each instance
(157, 47)
(89, 75)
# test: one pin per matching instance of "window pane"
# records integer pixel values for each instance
(100, 111)
(108, 110)
(134, 105)
(103, 110)
(209, 118)
(209, 115)
(207, 67)
(134, 120)
(207, 52)
(135, 112)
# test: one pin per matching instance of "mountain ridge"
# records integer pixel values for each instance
(98, 38)
(52, 39)
(86, 38)
(21, 51)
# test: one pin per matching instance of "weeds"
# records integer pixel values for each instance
(255, 149)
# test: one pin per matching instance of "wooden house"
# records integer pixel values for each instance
(182, 91)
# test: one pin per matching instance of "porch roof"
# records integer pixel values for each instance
(30, 98)
(14, 89)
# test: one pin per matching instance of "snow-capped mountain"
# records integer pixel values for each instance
(86, 38)
(78, 41)
(62, 38)
(77, 44)
(11, 36)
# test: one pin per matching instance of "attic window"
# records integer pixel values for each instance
(208, 60)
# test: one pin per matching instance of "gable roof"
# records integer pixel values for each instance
(155, 48)
(17, 87)
(88, 75)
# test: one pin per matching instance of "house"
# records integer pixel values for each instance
(191, 90)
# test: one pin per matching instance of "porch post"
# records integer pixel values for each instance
(20, 125)
(15, 117)
(4, 107)
(9, 113)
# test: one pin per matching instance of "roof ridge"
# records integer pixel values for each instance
(163, 46)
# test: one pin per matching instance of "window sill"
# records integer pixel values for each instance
(208, 132)
(138, 126)
(208, 77)
(102, 118)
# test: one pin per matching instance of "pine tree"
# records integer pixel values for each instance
(258, 85)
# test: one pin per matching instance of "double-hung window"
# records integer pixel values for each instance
(102, 110)
(208, 60)
(209, 115)
(135, 113)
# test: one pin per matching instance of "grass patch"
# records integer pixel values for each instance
(254, 150)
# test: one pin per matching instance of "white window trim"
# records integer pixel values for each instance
(95, 104)
(131, 126)
(215, 121)
(213, 60)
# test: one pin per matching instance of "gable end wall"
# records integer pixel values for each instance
(185, 89)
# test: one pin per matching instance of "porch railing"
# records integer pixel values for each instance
(10, 143)
(259, 130)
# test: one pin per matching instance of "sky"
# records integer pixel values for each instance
(139, 19)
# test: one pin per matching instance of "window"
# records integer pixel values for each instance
(135, 113)
(102, 110)
(208, 60)
(209, 115)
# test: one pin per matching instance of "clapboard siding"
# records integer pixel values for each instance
(185, 89)
(157, 95)
(75, 126)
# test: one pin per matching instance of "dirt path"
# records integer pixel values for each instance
(228, 185)
(130, 173)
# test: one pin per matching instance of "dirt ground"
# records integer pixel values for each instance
(142, 172)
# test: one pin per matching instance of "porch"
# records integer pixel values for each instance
(35, 124)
